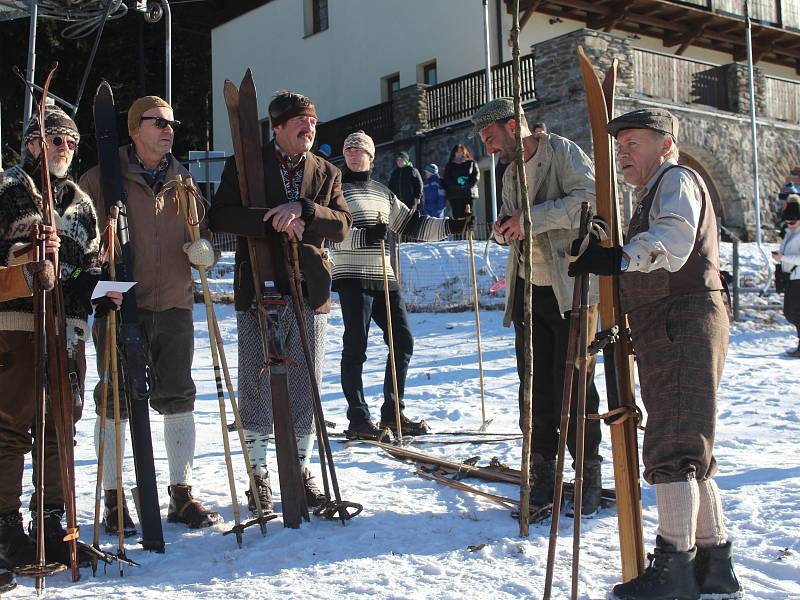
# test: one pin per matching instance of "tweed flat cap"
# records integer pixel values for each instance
(656, 119)
(494, 110)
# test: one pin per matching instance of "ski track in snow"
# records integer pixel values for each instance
(412, 539)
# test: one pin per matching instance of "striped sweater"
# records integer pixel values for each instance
(356, 261)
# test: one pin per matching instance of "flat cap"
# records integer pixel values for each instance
(494, 110)
(656, 119)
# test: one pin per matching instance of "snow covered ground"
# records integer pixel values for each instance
(416, 539)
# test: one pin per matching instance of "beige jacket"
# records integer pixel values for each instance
(157, 232)
(563, 180)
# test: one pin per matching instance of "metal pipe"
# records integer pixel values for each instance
(168, 50)
(754, 142)
(28, 107)
(736, 299)
(489, 95)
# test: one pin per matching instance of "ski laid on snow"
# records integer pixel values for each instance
(133, 363)
(617, 357)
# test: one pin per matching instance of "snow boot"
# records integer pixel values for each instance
(55, 548)
(592, 490)
(715, 576)
(7, 582)
(543, 481)
(670, 576)
(367, 430)
(184, 508)
(16, 548)
(264, 491)
(314, 496)
(110, 515)
(409, 427)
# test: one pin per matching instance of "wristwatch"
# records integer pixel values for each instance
(624, 262)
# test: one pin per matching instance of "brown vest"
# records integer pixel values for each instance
(699, 274)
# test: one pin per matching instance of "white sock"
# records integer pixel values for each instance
(109, 450)
(710, 522)
(305, 446)
(678, 504)
(179, 438)
(257, 444)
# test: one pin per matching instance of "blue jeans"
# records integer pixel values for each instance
(360, 307)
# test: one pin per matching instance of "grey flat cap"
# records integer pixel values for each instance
(494, 110)
(656, 119)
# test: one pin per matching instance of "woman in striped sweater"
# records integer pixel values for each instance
(358, 278)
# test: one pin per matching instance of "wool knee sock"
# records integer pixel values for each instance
(109, 450)
(257, 444)
(710, 522)
(678, 504)
(179, 439)
(305, 445)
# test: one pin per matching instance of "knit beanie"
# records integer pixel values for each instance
(404, 156)
(56, 122)
(359, 139)
(141, 106)
(432, 168)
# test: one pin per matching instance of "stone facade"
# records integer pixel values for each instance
(718, 141)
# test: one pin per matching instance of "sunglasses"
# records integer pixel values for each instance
(791, 221)
(58, 140)
(162, 123)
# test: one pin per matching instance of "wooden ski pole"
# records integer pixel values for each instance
(484, 422)
(387, 301)
(566, 406)
(522, 187)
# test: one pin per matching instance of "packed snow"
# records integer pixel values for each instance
(418, 539)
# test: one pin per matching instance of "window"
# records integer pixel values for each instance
(429, 73)
(315, 16)
(390, 84)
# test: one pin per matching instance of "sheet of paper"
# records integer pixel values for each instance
(103, 287)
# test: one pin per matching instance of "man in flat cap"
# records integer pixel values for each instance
(163, 259)
(304, 201)
(560, 178)
(674, 296)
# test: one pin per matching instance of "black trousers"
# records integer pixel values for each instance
(550, 333)
(360, 307)
(458, 206)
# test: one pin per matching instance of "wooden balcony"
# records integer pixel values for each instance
(377, 121)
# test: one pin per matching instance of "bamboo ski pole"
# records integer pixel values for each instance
(484, 422)
(399, 433)
(522, 186)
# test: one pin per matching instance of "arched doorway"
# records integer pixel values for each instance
(691, 162)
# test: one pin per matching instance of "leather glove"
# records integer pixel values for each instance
(595, 259)
(376, 233)
(102, 306)
(200, 253)
(460, 226)
(42, 272)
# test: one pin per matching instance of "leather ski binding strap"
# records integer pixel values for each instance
(598, 229)
(338, 510)
(262, 520)
(620, 415)
(604, 338)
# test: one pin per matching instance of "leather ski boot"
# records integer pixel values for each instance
(55, 548)
(592, 490)
(264, 491)
(184, 508)
(543, 481)
(408, 426)
(367, 430)
(715, 575)
(670, 576)
(16, 548)
(110, 515)
(314, 496)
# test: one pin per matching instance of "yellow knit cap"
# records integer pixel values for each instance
(141, 106)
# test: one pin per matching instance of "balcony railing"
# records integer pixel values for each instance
(377, 121)
(679, 80)
(457, 99)
(783, 99)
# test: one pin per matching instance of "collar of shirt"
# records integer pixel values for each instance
(286, 160)
(641, 192)
(162, 165)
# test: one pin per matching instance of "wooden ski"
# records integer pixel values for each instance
(617, 357)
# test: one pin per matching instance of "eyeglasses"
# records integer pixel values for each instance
(58, 140)
(162, 123)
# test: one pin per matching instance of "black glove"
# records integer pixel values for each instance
(595, 259)
(460, 226)
(102, 305)
(81, 282)
(375, 233)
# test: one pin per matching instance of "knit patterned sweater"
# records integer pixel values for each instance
(356, 261)
(75, 219)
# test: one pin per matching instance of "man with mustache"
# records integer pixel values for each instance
(163, 259)
(76, 240)
(304, 201)
(560, 178)
(672, 291)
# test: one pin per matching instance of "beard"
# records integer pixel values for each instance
(58, 168)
